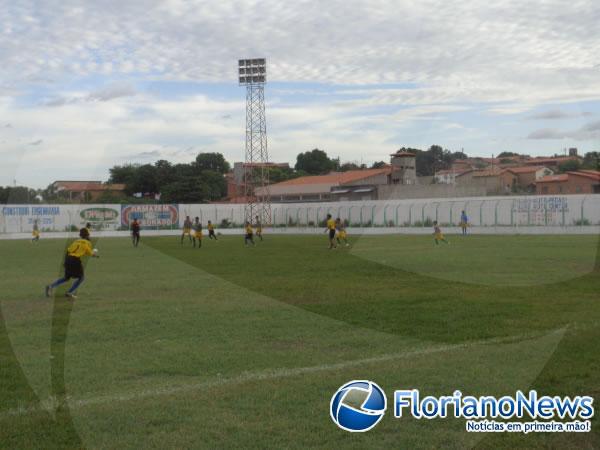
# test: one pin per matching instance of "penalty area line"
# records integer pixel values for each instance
(52, 403)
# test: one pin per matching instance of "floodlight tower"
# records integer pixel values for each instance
(253, 75)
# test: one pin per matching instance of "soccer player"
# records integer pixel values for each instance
(135, 232)
(331, 230)
(437, 233)
(258, 228)
(187, 229)
(73, 266)
(197, 226)
(464, 222)
(211, 231)
(341, 232)
(249, 234)
(36, 231)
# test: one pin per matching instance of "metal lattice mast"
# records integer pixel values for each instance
(252, 74)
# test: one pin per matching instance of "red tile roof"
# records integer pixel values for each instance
(554, 178)
(450, 171)
(592, 174)
(553, 160)
(525, 169)
(489, 173)
(336, 177)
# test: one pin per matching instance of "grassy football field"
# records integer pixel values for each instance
(231, 347)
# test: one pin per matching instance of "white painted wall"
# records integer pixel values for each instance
(491, 212)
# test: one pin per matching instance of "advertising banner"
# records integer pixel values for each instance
(151, 216)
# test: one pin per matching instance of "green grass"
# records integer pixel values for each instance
(233, 347)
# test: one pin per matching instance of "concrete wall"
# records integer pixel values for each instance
(516, 212)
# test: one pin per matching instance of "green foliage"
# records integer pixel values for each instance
(349, 166)
(569, 166)
(507, 154)
(17, 194)
(433, 159)
(199, 181)
(212, 161)
(378, 164)
(591, 161)
(278, 174)
(315, 162)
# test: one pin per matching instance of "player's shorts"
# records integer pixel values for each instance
(73, 267)
(463, 224)
(35, 233)
(249, 236)
(198, 234)
(135, 234)
(259, 231)
(211, 232)
(187, 231)
(331, 234)
(342, 235)
(439, 236)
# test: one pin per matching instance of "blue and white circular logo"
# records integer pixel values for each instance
(358, 406)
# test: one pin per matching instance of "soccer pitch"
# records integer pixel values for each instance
(229, 346)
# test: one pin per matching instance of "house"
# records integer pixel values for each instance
(577, 182)
(494, 181)
(449, 176)
(553, 162)
(350, 185)
(86, 191)
(528, 175)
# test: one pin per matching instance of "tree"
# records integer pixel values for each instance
(349, 166)
(378, 165)
(279, 174)
(459, 155)
(124, 174)
(165, 173)
(433, 159)
(591, 161)
(145, 179)
(17, 194)
(315, 162)
(212, 161)
(569, 166)
(507, 154)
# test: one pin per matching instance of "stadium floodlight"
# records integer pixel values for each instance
(252, 73)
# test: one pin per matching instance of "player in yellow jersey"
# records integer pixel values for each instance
(211, 231)
(197, 227)
(258, 228)
(249, 234)
(437, 234)
(331, 230)
(341, 232)
(35, 233)
(187, 229)
(73, 266)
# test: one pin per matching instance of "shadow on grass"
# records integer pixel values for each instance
(54, 428)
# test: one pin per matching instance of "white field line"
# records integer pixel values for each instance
(52, 403)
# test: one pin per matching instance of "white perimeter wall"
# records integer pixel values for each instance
(398, 215)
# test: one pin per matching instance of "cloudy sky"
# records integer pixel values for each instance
(86, 85)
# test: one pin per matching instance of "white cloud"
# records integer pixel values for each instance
(589, 131)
